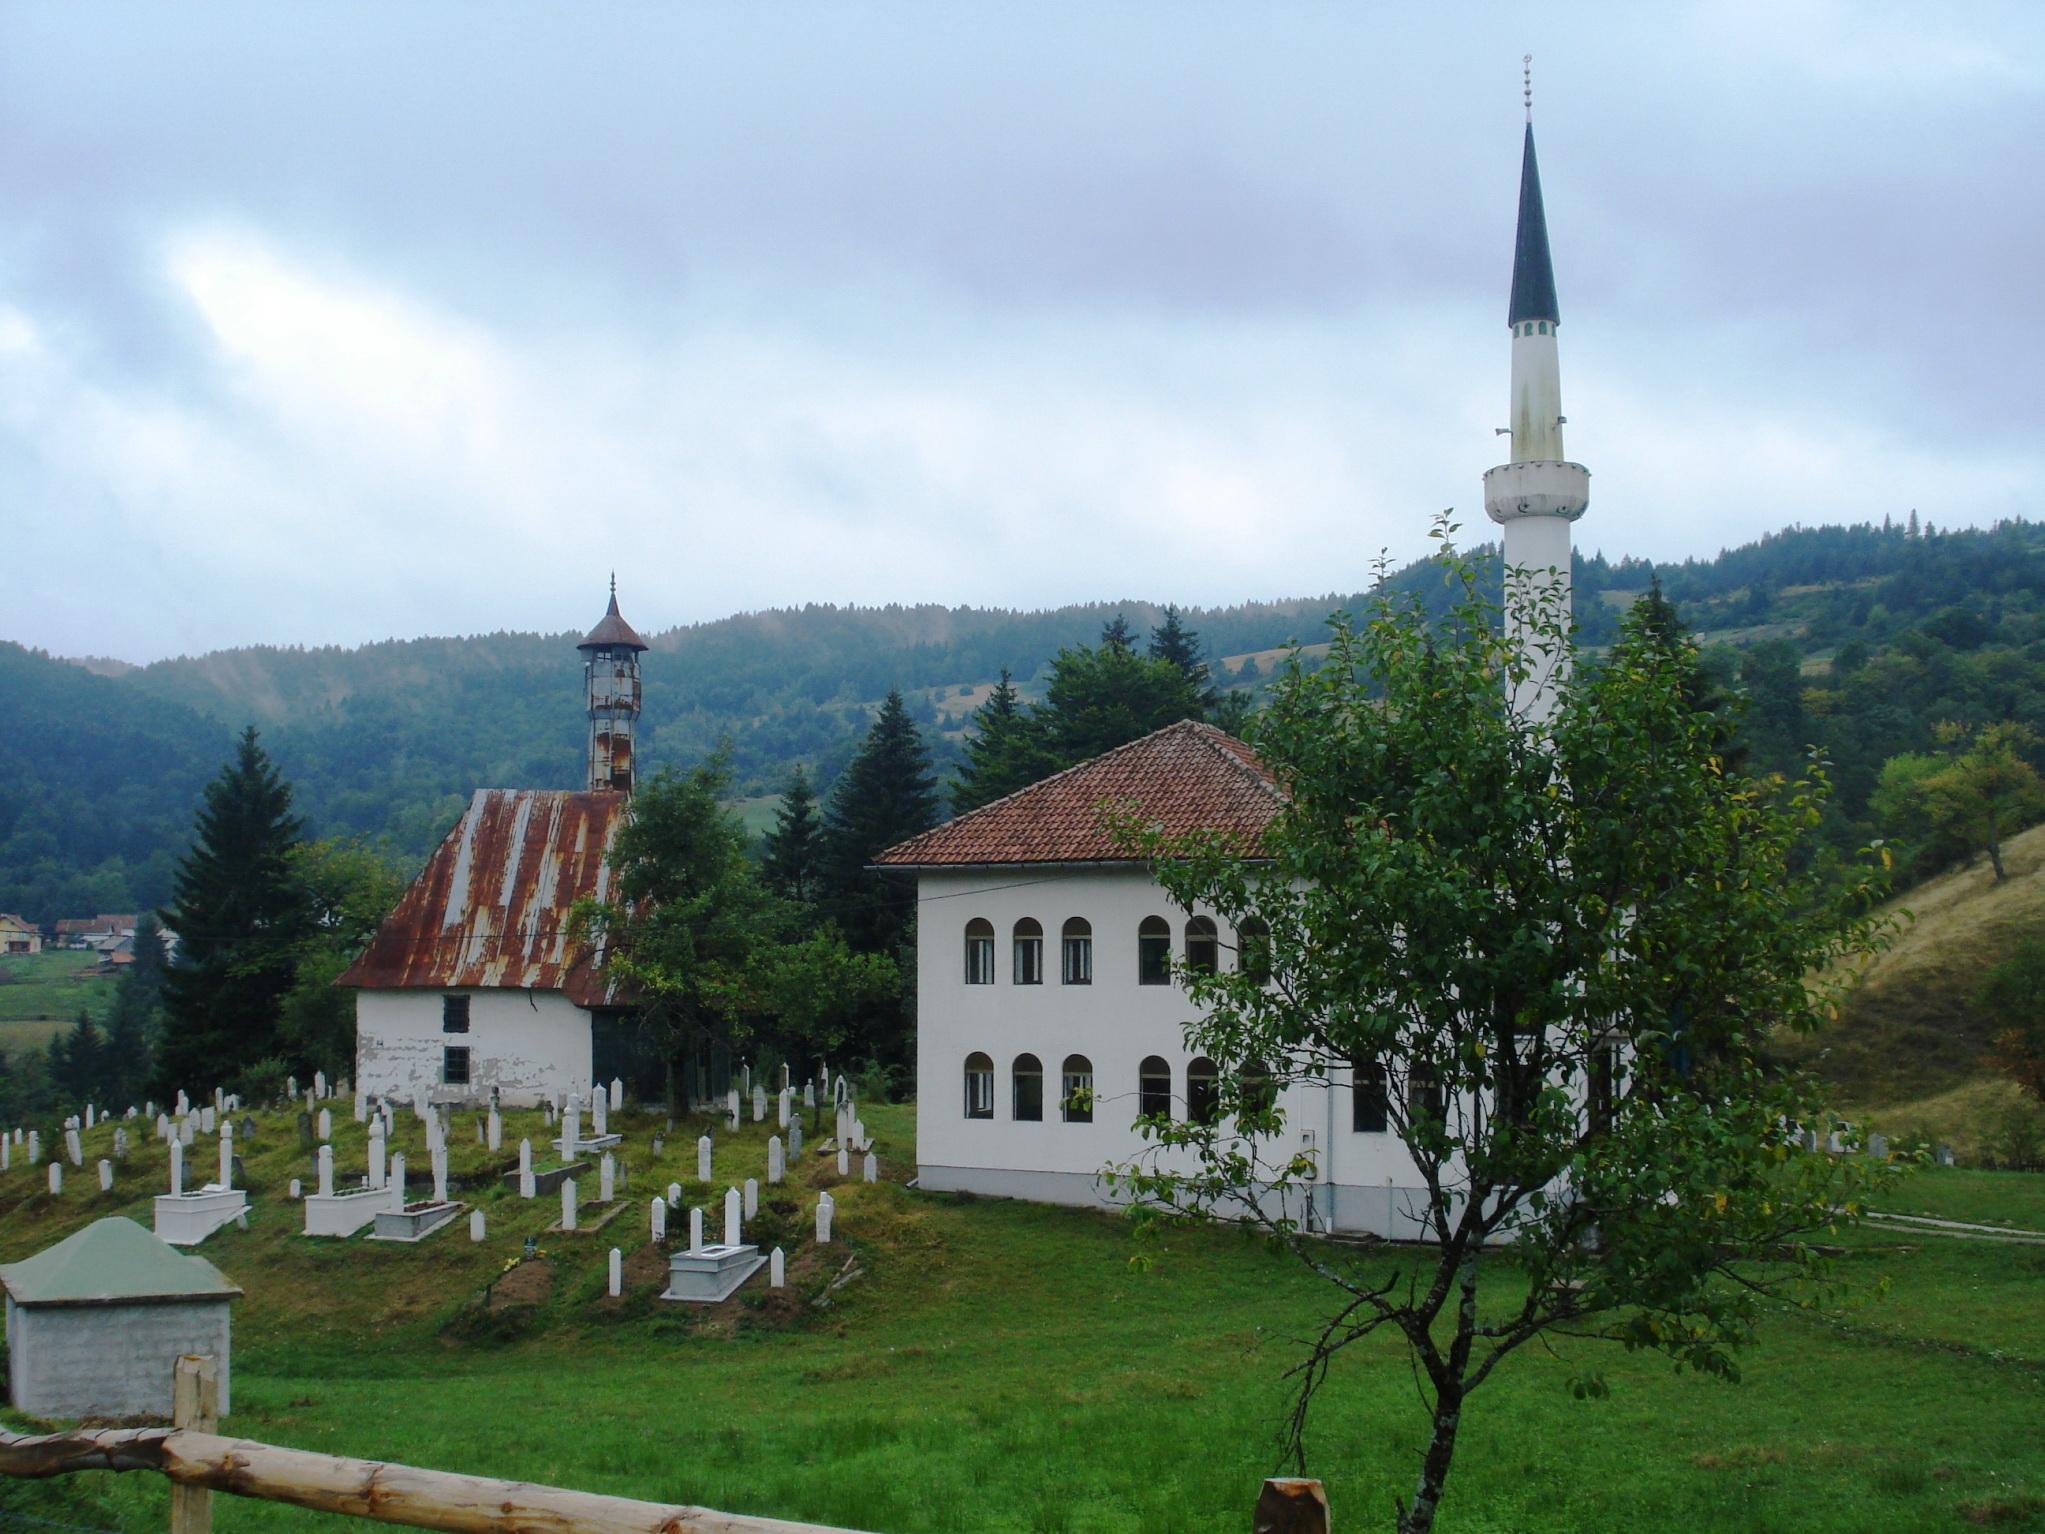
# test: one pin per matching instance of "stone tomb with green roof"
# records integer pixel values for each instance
(95, 1323)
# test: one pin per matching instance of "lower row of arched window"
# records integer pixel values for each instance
(1370, 1103)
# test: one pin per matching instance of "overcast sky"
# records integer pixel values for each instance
(348, 322)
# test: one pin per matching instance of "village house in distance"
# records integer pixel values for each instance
(471, 984)
(1048, 1015)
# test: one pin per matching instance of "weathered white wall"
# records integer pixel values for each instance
(108, 1360)
(1115, 1022)
(528, 1044)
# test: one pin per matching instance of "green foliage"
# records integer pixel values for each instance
(1177, 645)
(885, 795)
(349, 887)
(708, 954)
(1564, 947)
(241, 916)
(2012, 993)
(1005, 752)
(794, 849)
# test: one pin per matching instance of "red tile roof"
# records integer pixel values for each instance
(1185, 777)
(491, 906)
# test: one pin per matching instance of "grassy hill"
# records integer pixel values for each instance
(1003, 1366)
(1906, 1055)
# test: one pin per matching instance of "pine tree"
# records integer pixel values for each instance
(1171, 641)
(1005, 753)
(240, 914)
(1103, 698)
(885, 795)
(1117, 635)
(80, 1066)
(794, 848)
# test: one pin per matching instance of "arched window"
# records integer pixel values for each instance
(1028, 1072)
(979, 951)
(1203, 1092)
(1260, 1091)
(1077, 964)
(1203, 945)
(1253, 951)
(1154, 951)
(1154, 1088)
(1370, 1102)
(1077, 1094)
(979, 1086)
(1029, 952)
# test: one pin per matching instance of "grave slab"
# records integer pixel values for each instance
(710, 1274)
(343, 1214)
(415, 1222)
(186, 1219)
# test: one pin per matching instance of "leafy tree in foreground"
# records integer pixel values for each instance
(1988, 792)
(795, 847)
(240, 914)
(1555, 954)
(708, 954)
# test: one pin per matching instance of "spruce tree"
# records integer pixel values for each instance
(885, 795)
(240, 914)
(794, 848)
(1173, 642)
(79, 1064)
(1005, 752)
(1117, 635)
(1102, 698)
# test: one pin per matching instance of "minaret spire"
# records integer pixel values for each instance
(1536, 497)
(610, 678)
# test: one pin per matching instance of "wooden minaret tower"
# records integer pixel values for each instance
(610, 672)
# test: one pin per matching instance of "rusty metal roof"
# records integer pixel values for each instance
(491, 906)
(1186, 777)
(612, 631)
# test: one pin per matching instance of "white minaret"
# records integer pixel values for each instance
(1536, 497)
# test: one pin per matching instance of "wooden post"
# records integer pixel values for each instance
(1291, 1505)
(194, 1407)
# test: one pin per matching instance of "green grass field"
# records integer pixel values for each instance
(1002, 1366)
(40, 995)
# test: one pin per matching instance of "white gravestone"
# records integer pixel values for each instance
(295, 1189)
(290, 1086)
(188, 1132)
(326, 1171)
(617, 1273)
(600, 1115)
(475, 1225)
(759, 1104)
(657, 1212)
(674, 1195)
(526, 1187)
(440, 1174)
(703, 1159)
(776, 1166)
(106, 1177)
(325, 1127)
(732, 1218)
(319, 1084)
(568, 1203)
(777, 1270)
(376, 1172)
(35, 1148)
(809, 1094)
(120, 1145)
(733, 1105)
(6, 1152)
(74, 1147)
(782, 1108)
(227, 1155)
(493, 1131)
(824, 1210)
(869, 1169)
(606, 1179)
(844, 1160)
(752, 1199)
(794, 1138)
(207, 1119)
(56, 1177)
(617, 1094)
(695, 1230)
(361, 1109)
(398, 1183)
(177, 1170)
(571, 1132)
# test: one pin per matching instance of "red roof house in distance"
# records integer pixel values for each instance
(472, 985)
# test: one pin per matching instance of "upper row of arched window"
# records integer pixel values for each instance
(1201, 954)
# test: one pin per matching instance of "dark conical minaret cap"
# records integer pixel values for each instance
(612, 632)
(1533, 274)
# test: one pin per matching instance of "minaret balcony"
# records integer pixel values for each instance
(1541, 488)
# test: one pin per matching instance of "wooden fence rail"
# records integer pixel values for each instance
(199, 1462)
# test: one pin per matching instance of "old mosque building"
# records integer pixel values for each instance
(1048, 1017)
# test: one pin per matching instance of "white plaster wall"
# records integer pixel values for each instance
(528, 1044)
(1115, 1022)
(109, 1360)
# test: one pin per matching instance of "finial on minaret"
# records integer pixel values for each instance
(614, 585)
(1527, 82)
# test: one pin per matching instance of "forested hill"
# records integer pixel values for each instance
(1859, 638)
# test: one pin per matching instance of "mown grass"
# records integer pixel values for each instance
(48, 988)
(1006, 1366)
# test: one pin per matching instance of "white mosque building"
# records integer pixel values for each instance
(1048, 1018)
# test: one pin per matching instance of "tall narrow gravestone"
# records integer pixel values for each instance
(617, 1094)
(476, 1227)
(703, 1159)
(695, 1230)
(617, 1273)
(606, 1179)
(732, 1217)
(325, 1128)
(525, 1169)
(398, 1183)
(568, 1203)
(777, 1270)
(56, 1177)
(326, 1171)
(752, 1198)
(493, 1131)
(106, 1177)
(794, 1138)
(825, 1209)
(657, 1213)
(776, 1167)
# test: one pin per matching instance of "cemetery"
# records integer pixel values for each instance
(940, 1360)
